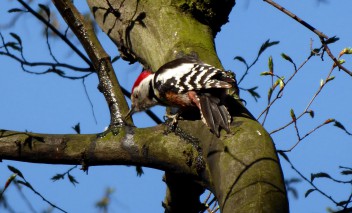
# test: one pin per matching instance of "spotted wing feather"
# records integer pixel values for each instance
(190, 76)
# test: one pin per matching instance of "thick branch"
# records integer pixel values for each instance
(148, 147)
(101, 60)
(242, 168)
(155, 33)
(182, 194)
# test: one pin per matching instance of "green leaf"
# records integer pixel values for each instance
(330, 79)
(281, 82)
(58, 177)
(77, 128)
(339, 125)
(25, 183)
(266, 73)
(329, 120)
(266, 45)
(8, 182)
(315, 51)
(271, 64)
(308, 192)
(139, 170)
(270, 93)
(286, 57)
(341, 61)
(311, 113)
(295, 180)
(72, 179)
(18, 39)
(321, 82)
(15, 10)
(253, 93)
(319, 175)
(293, 116)
(14, 170)
(293, 191)
(283, 154)
(115, 59)
(239, 58)
(343, 203)
(348, 50)
(13, 45)
(346, 172)
(46, 9)
(331, 40)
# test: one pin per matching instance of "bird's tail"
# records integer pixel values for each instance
(214, 113)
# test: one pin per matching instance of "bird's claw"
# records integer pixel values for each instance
(113, 128)
(172, 120)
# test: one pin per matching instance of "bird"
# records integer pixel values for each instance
(186, 83)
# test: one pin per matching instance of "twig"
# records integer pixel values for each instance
(295, 17)
(308, 181)
(101, 61)
(278, 96)
(57, 32)
(309, 104)
(301, 138)
(90, 101)
(49, 64)
(321, 35)
(327, 49)
(25, 198)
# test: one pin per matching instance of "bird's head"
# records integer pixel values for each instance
(141, 95)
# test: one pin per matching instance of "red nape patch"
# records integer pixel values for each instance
(142, 76)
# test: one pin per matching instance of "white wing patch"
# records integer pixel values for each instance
(191, 76)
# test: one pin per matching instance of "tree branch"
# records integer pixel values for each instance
(56, 31)
(295, 17)
(108, 82)
(242, 167)
(148, 147)
(321, 35)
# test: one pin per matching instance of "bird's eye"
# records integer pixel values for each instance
(135, 95)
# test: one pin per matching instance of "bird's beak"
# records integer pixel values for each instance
(129, 114)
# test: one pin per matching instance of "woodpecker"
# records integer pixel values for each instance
(185, 83)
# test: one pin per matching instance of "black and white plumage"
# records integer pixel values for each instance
(185, 83)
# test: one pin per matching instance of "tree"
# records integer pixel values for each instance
(191, 156)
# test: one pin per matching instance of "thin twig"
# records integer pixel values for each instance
(295, 17)
(49, 64)
(90, 101)
(327, 49)
(57, 32)
(247, 69)
(278, 96)
(309, 104)
(301, 138)
(310, 182)
(29, 204)
(321, 35)
(101, 61)
(28, 185)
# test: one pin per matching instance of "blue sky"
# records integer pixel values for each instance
(50, 104)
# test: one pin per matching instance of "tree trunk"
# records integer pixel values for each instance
(241, 168)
